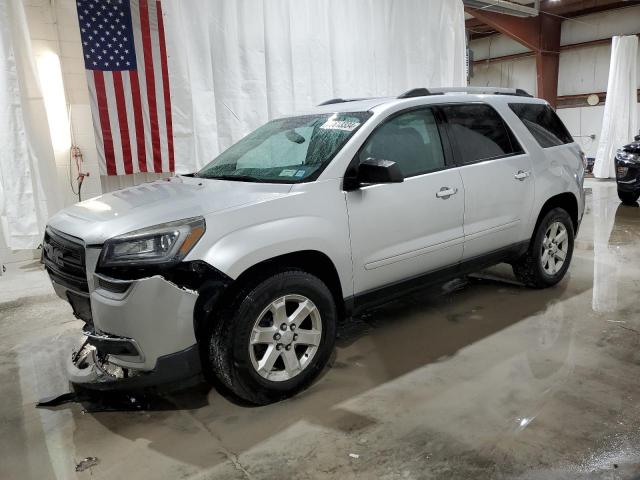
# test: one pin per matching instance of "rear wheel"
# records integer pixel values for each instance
(628, 198)
(275, 338)
(550, 251)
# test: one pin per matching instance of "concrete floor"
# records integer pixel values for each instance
(478, 378)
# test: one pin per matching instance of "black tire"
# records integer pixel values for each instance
(229, 340)
(529, 269)
(628, 198)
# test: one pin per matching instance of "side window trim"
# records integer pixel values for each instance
(451, 152)
(445, 138)
(457, 156)
(447, 149)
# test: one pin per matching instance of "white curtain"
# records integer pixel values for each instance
(620, 121)
(233, 65)
(26, 154)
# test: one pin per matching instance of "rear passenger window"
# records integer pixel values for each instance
(480, 133)
(411, 140)
(543, 123)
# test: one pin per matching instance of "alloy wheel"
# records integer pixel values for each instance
(285, 337)
(555, 246)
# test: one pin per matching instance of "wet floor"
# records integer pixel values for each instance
(477, 378)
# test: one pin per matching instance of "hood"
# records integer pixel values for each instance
(123, 211)
(633, 147)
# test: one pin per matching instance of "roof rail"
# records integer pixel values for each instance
(422, 92)
(332, 101)
(340, 100)
(519, 93)
(416, 92)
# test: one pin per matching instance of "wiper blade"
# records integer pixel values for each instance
(236, 178)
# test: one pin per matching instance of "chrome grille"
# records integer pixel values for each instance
(64, 259)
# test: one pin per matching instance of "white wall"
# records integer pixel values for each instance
(517, 73)
(54, 28)
(581, 70)
(63, 39)
(584, 121)
(621, 21)
(495, 46)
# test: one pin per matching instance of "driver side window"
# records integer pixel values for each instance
(411, 139)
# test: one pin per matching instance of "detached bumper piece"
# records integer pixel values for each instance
(81, 306)
(111, 345)
(89, 367)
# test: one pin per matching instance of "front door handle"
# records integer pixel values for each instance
(446, 192)
(521, 175)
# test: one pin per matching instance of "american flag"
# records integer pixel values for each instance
(125, 57)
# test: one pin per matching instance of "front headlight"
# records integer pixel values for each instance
(167, 243)
(627, 156)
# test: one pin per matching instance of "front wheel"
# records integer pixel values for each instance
(275, 338)
(550, 251)
(628, 198)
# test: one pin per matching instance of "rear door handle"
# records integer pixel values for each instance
(521, 175)
(446, 192)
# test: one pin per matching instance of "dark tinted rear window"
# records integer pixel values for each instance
(480, 133)
(543, 123)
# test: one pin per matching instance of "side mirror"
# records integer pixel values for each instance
(374, 170)
(636, 138)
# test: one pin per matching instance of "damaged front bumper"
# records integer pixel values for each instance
(152, 316)
(140, 333)
(140, 328)
(89, 368)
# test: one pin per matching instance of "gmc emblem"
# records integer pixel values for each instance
(54, 254)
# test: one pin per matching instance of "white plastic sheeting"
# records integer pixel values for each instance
(235, 65)
(620, 122)
(26, 154)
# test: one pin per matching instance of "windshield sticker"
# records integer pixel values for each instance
(300, 173)
(339, 125)
(287, 173)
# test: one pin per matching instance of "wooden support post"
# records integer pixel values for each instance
(540, 34)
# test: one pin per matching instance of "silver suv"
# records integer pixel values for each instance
(243, 269)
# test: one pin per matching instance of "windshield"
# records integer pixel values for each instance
(287, 150)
